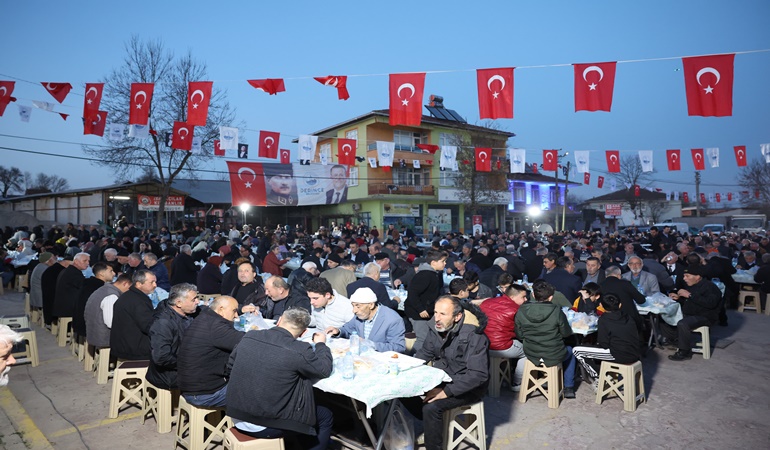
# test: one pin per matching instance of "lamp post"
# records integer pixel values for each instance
(556, 213)
(244, 207)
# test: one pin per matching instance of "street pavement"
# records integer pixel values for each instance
(721, 403)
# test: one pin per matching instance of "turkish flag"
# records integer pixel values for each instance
(613, 161)
(719, 197)
(141, 98)
(697, 159)
(6, 89)
(346, 151)
(483, 159)
(285, 156)
(740, 155)
(586, 178)
(59, 91)
(708, 82)
(637, 191)
(430, 148)
(674, 160)
(339, 82)
(495, 87)
(685, 197)
(756, 193)
(594, 83)
(534, 167)
(183, 136)
(550, 160)
(93, 98)
(247, 183)
(94, 123)
(270, 85)
(702, 197)
(600, 182)
(406, 91)
(268, 144)
(198, 98)
(218, 151)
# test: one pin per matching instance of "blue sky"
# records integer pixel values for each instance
(82, 41)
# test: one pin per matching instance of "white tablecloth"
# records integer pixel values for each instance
(671, 313)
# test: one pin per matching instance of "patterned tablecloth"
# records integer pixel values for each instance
(671, 313)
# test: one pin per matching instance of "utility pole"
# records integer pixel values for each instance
(556, 210)
(697, 194)
(566, 191)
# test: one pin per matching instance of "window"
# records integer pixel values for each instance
(352, 134)
(353, 177)
(325, 151)
(406, 140)
(519, 194)
(449, 139)
(409, 176)
(448, 178)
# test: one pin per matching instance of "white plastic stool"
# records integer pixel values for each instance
(535, 378)
(128, 385)
(159, 403)
(704, 346)
(192, 426)
(235, 440)
(624, 380)
(499, 371)
(470, 429)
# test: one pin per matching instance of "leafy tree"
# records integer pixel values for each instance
(11, 180)
(151, 62)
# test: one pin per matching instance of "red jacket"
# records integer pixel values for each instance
(500, 313)
(272, 264)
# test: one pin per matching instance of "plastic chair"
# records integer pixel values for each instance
(624, 380)
(128, 385)
(535, 379)
(192, 425)
(30, 352)
(158, 402)
(499, 371)
(235, 440)
(704, 346)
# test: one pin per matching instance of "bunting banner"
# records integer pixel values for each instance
(534, 167)
(430, 148)
(139, 131)
(141, 99)
(385, 151)
(268, 144)
(306, 145)
(586, 178)
(117, 131)
(518, 160)
(271, 86)
(674, 160)
(285, 156)
(448, 157)
(6, 89)
(346, 151)
(58, 91)
(92, 98)
(243, 151)
(218, 150)
(613, 161)
(228, 138)
(197, 145)
(676, 195)
(495, 91)
(685, 197)
(698, 159)
(182, 137)
(198, 99)
(740, 155)
(373, 162)
(95, 123)
(483, 159)
(416, 163)
(600, 182)
(25, 112)
(406, 90)
(708, 82)
(645, 157)
(550, 160)
(339, 82)
(712, 154)
(668, 196)
(594, 83)
(765, 152)
(582, 161)
(45, 106)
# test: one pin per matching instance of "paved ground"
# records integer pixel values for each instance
(721, 403)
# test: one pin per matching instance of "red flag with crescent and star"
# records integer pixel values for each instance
(674, 160)
(247, 183)
(339, 82)
(600, 182)
(406, 91)
(218, 151)
(702, 197)
(268, 144)
(637, 190)
(430, 148)
(346, 151)
(729, 196)
(685, 197)
(183, 136)
(270, 85)
(740, 155)
(719, 197)
(594, 83)
(613, 161)
(6, 89)
(94, 123)
(534, 167)
(198, 99)
(708, 83)
(697, 159)
(495, 88)
(93, 98)
(59, 91)
(550, 160)
(586, 178)
(483, 159)
(141, 98)
(285, 156)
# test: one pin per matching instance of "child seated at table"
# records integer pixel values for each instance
(618, 341)
(542, 328)
(588, 301)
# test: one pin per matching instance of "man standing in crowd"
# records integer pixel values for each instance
(423, 291)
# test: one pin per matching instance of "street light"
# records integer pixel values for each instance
(534, 211)
(244, 207)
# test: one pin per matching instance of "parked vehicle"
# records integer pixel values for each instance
(681, 227)
(748, 223)
(713, 228)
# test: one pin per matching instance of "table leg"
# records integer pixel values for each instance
(654, 334)
(388, 416)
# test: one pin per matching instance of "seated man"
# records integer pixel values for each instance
(588, 300)
(340, 277)
(172, 317)
(701, 302)
(160, 271)
(282, 297)
(271, 383)
(371, 280)
(501, 314)
(330, 309)
(542, 327)
(457, 345)
(99, 311)
(383, 326)
(618, 341)
(132, 318)
(204, 351)
(643, 281)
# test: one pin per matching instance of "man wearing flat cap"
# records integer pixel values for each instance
(383, 326)
(700, 301)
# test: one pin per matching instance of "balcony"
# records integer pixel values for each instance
(400, 189)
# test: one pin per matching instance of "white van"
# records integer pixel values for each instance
(681, 227)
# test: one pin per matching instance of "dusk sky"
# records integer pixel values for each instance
(81, 42)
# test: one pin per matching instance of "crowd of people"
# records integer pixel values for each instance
(465, 298)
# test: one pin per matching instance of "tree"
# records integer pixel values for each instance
(42, 183)
(756, 177)
(11, 180)
(656, 210)
(151, 62)
(631, 174)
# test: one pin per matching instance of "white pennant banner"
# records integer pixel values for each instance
(385, 151)
(766, 152)
(581, 161)
(713, 156)
(373, 162)
(518, 158)
(645, 157)
(139, 131)
(416, 163)
(196, 144)
(448, 157)
(24, 112)
(306, 146)
(116, 132)
(228, 138)
(43, 105)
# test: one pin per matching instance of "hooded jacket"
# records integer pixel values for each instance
(463, 353)
(542, 327)
(423, 290)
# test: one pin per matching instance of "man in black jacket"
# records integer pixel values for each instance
(172, 317)
(423, 291)
(490, 276)
(371, 280)
(132, 318)
(183, 269)
(203, 354)
(700, 302)
(68, 286)
(629, 296)
(271, 388)
(282, 297)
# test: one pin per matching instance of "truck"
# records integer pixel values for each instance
(748, 223)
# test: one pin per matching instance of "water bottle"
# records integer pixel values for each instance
(355, 343)
(402, 292)
(526, 279)
(348, 367)
(735, 262)
(641, 289)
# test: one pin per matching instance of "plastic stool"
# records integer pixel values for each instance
(704, 346)
(127, 385)
(22, 281)
(63, 327)
(473, 431)
(499, 371)
(235, 440)
(192, 423)
(625, 380)
(102, 361)
(743, 300)
(28, 336)
(88, 357)
(158, 402)
(15, 321)
(530, 383)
